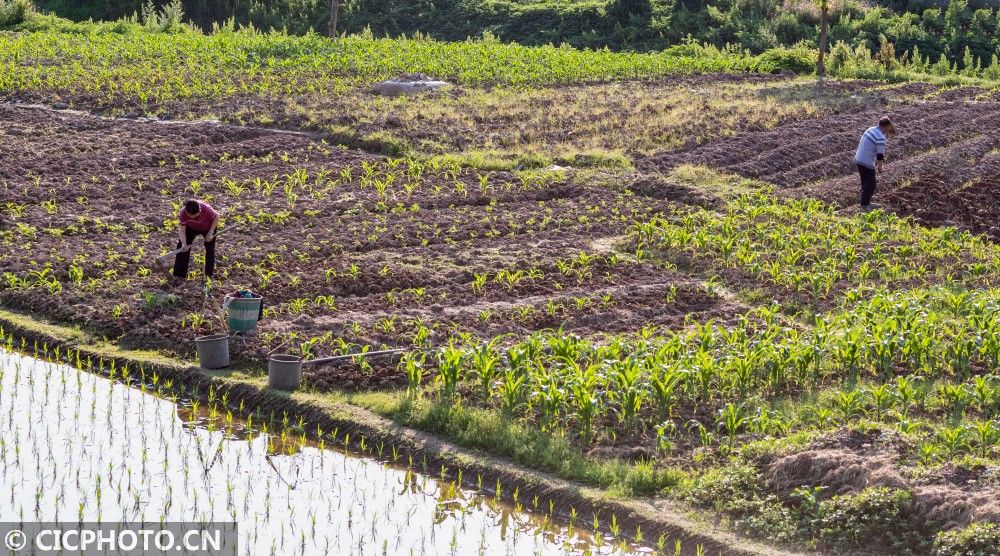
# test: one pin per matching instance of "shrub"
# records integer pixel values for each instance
(875, 516)
(769, 519)
(725, 487)
(689, 48)
(798, 60)
(736, 489)
(383, 142)
(790, 30)
(168, 19)
(978, 539)
(13, 12)
(839, 57)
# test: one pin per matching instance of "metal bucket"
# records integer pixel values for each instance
(242, 313)
(284, 372)
(213, 351)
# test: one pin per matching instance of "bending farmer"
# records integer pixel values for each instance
(197, 218)
(871, 156)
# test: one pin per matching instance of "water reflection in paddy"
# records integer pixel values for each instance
(76, 446)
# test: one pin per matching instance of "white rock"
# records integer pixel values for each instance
(392, 88)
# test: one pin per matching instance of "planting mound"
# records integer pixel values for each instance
(840, 471)
(847, 462)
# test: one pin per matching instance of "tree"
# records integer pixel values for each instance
(331, 29)
(824, 24)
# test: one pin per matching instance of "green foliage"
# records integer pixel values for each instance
(978, 539)
(797, 60)
(124, 59)
(101, 10)
(168, 19)
(13, 12)
(385, 143)
(526, 444)
(876, 516)
(920, 36)
(736, 489)
(721, 487)
(803, 246)
(581, 23)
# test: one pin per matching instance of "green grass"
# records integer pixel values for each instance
(489, 431)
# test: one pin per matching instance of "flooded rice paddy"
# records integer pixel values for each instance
(79, 447)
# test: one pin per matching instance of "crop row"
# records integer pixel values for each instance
(343, 246)
(109, 68)
(665, 386)
(805, 250)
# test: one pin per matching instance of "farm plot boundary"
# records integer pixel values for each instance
(49, 340)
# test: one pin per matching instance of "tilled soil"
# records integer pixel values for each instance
(807, 152)
(939, 170)
(583, 125)
(950, 186)
(92, 201)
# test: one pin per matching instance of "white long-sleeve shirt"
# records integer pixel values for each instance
(871, 147)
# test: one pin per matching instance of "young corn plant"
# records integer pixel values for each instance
(731, 420)
(586, 398)
(485, 366)
(450, 364)
(413, 365)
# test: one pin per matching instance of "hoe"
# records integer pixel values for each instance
(285, 371)
(164, 260)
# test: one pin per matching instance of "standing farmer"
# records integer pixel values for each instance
(870, 157)
(197, 218)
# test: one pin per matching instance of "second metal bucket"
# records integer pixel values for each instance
(213, 351)
(284, 372)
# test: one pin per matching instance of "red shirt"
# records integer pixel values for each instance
(201, 223)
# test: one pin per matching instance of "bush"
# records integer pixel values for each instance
(736, 489)
(13, 12)
(168, 19)
(798, 60)
(790, 30)
(875, 517)
(978, 539)
(726, 487)
(383, 142)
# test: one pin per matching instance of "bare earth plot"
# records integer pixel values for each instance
(345, 246)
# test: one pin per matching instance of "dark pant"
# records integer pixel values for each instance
(184, 257)
(867, 184)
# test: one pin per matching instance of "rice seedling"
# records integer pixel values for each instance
(215, 466)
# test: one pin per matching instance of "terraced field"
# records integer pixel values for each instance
(656, 288)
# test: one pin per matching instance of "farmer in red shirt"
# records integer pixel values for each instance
(197, 218)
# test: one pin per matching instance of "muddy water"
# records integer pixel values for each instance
(75, 446)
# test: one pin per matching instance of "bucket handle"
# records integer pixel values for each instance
(225, 307)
